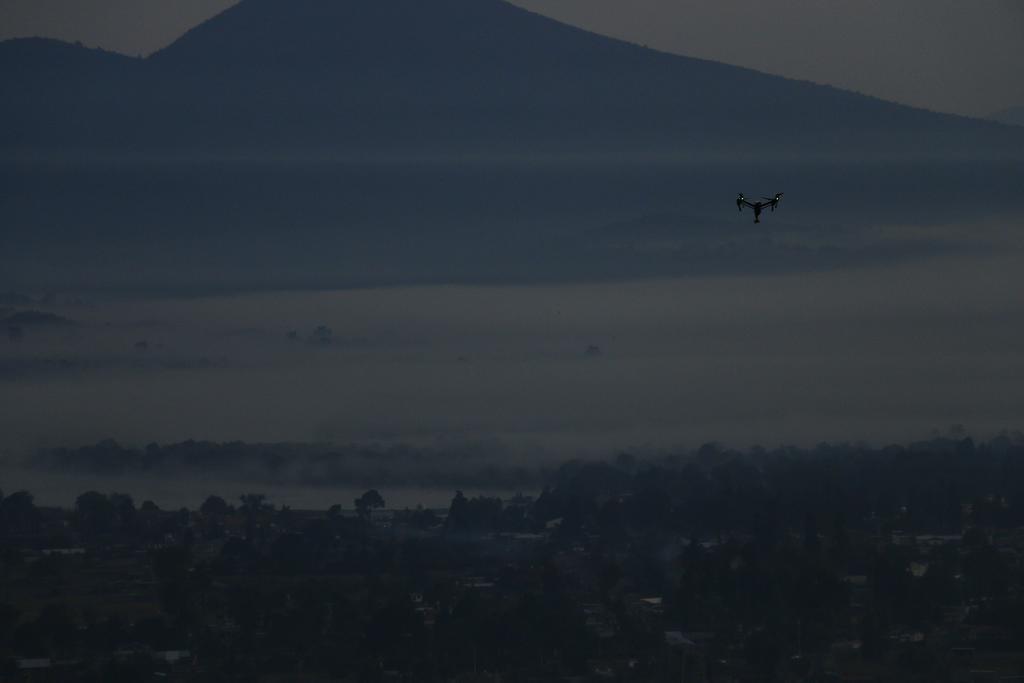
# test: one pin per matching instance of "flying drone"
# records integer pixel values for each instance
(773, 202)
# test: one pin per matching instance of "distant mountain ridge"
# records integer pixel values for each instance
(341, 76)
(1013, 116)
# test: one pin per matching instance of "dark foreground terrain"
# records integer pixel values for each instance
(842, 563)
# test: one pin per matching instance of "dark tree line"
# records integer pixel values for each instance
(777, 555)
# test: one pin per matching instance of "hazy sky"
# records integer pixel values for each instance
(963, 56)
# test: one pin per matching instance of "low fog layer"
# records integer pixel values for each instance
(883, 352)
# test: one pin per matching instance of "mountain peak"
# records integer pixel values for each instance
(428, 75)
(302, 31)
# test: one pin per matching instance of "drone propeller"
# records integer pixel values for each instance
(774, 200)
